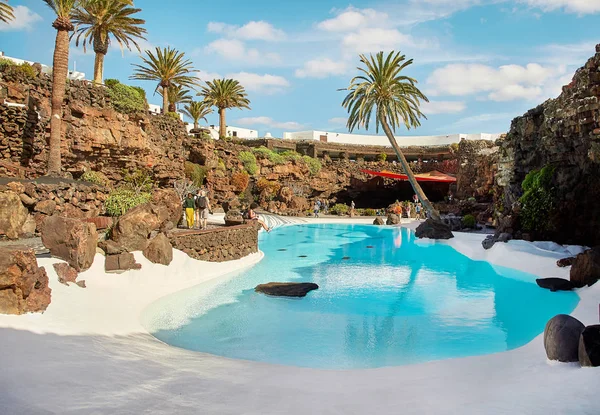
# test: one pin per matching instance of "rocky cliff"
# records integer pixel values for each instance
(563, 133)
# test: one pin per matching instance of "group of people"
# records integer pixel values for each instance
(197, 207)
(321, 205)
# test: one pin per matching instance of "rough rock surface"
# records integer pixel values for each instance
(393, 219)
(586, 268)
(233, 218)
(488, 242)
(433, 230)
(561, 338)
(379, 221)
(159, 250)
(70, 239)
(66, 273)
(555, 284)
(286, 289)
(565, 262)
(13, 215)
(120, 262)
(110, 247)
(589, 346)
(23, 285)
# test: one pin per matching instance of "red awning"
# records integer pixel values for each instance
(432, 176)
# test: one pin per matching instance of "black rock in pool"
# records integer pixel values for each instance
(286, 289)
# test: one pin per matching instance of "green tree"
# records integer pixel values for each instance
(224, 94)
(197, 110)
(169, 67)
(6, 11)
(394, 99)
(177, 95)
(98, 20)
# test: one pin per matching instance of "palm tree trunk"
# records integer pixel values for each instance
(99, 69)
(165, 95)
(195, 124)
(435, 215)
(222, 125)
(60, 71)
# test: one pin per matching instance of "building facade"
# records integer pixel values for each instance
(73, 75)
(235, 132)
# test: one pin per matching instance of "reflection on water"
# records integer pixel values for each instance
(393, 303)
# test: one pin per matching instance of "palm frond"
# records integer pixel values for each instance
(167, 66)
(6, 12)
(197, 110)
(225, 93)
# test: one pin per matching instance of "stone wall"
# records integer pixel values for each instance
(219, 244)
(565, 133)
(477, 167)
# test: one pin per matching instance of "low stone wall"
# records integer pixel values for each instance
(219, 244)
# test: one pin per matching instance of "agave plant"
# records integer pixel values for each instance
(167, 66)
(224, 94)
(393, 99)
(177, 95)
(99, 20)
(6, 11)
(197, 110)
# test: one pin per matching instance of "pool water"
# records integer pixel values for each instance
(385, 299)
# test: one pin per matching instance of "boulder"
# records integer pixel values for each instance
(169, 200)
(393, 219)
(12, 215)
(286, 289)
(120, 262)
(589, 346)
(561, 338)
(133, 228)
(70, 239)
(234, 217)
(65, 272)
(433, 230)
(379, 221)
(110, 247)
(46, 207)
(504, 237)
(159, 250)
(231, 205)
(565, 262)
(101, 222)
(454, 222)
(555, 284)
(586, 268)
(23, 285)
(488, 242)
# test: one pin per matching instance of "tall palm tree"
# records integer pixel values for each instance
(395, 99)
(177, 95)
(197, 110)
(6, 12)
(169, 67)
(98, 20)
(224, 94)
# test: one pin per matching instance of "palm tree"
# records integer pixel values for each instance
(169, 67)
(197, 110)
(98, 20)
(224, 94)
(177, 95)
(395, 99)
(6, 12)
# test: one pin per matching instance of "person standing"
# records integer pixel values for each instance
(326, 207)
(415, 199)
(189, 204)
(352, 206)
(202, 207)
(418, 209)
(316, 209)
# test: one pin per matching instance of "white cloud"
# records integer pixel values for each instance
(442, 107)
(569, 54)
(338, 121)
(321, 68)
(207, 76)
(376, 39)
(478, 122)
(505, 83)
(569, 6)
(235, 50)
(24, 20)
(269, 122)
(266, 84)
(254, 30)
(351, 19)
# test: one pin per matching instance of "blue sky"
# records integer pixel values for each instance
(480, 62)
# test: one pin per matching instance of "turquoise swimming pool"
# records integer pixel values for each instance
(385, 299)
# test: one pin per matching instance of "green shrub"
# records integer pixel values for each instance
(469, 221)
(195, 172)
(4, 63)
(381, 157)
(314, 165)
(370, 212)
(538, 199)
(290, 155)
(272, 156)
(121, 200)
(124, 98)
(339, 209)
(249, 162)
(173, 115)
(95, 177)
(360, 212)
(27, 70)
(138, 180)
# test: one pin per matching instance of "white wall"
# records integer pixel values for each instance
(378, 140)
(239, 132)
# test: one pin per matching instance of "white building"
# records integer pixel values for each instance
(232, 131)
(157, 109)
(381, 140)
(73, 75)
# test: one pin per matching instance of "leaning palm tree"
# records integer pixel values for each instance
(177, 95)
(394, 99)
(197, 110)
(6, 12)
(98, 20)
(169, 67)
(224, 94)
